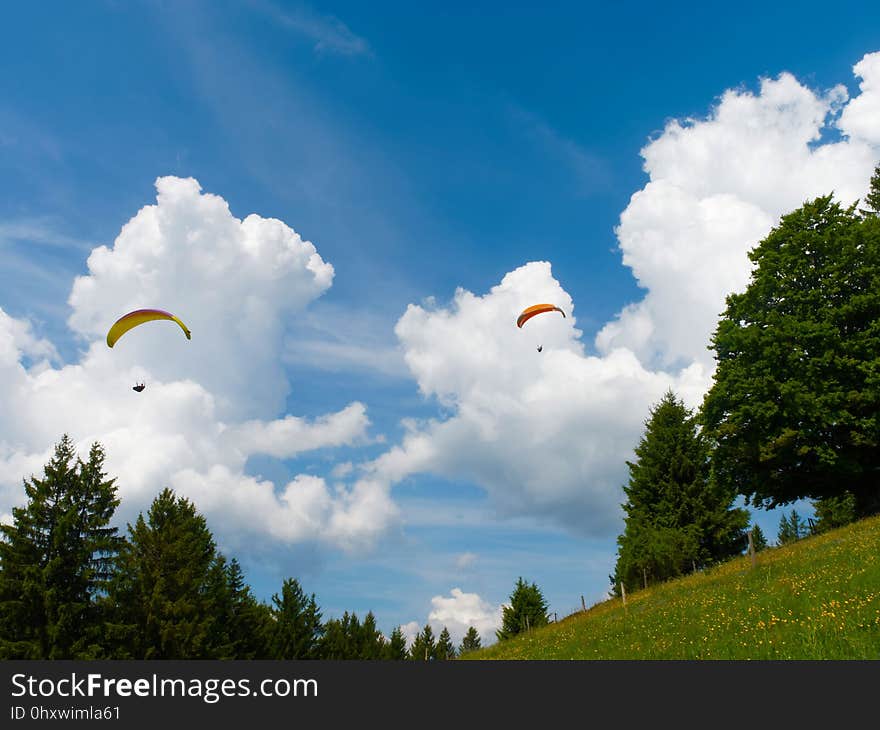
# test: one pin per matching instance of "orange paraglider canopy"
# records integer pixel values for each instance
(535, 309)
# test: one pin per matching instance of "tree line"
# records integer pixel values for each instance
(793, 411)
(71, 587)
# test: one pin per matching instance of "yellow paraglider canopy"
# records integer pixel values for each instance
(138, 317)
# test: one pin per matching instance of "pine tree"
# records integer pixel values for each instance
(342, 638)
(395, 647)
(297, 626)
(424, 645)
(99, 545)
(527, 610)
(218, 594)
(677, 519)
(251, 624)
(334, 642)
(759, 541)
(470, 642)
(791, 528)
(56, 559)
(162, 591)
(369, 639)
(444, 649)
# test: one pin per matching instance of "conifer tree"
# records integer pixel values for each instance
(162, 589)
(56, 558)
(99, 544)
(423, 647)
(759, 541)
(218, 593)
(791, 528)
(527, 610)
(334, 642)
(370, 642)
(444, 649)
(677, 518)
(395, 647)
(470, 642)
(251, 623)
(297, 626)
(342, 638)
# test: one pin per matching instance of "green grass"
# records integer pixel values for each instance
(818, 598)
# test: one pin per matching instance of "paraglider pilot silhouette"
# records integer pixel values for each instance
(139, 317)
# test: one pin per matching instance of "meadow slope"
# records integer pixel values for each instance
(818, 598)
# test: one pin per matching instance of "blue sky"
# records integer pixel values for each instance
(422, 149)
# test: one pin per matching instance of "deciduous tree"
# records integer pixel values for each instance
(794, 410)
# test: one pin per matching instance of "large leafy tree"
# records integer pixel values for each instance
(56, 559)
(165, 589)
(677, 518)
(794, 410)
(833, 512)
(526, 610)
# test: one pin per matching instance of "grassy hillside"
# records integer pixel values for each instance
(818, 598)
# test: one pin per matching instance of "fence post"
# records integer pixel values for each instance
(752, 546)
(623, 593)
(583, 604)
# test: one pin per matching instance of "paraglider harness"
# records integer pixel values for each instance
(139, 387)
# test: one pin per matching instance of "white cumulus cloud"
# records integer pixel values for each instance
(548, 434)
(211, 402)
(233, 282)
(859, 119)
(459, 611)
(717, 185)
(289, 436)
(545, 433)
